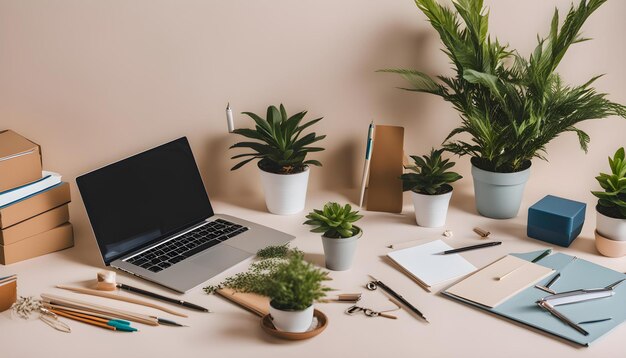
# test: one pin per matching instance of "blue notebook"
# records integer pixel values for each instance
(579, 274)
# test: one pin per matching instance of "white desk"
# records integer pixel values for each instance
(455, 329)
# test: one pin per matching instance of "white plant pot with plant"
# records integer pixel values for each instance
(511, 106)
(281, 149)
(428, 182)
(292, 285)
(611, 208)
(339, 234)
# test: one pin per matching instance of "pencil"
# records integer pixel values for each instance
(84, 320)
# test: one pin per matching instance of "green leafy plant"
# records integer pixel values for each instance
(281, 274)
(429, 174)
(334, 221)
(510, 106)
(278, 142)
(612, 201)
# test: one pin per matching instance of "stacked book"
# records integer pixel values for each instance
(33, 203)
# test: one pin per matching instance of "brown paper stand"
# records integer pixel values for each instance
(384, 190)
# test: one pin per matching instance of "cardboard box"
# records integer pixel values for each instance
(8, 292)
(34, 205)
(59, 238)
(35, 225)
(20, 160)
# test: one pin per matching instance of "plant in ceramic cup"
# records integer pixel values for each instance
(429, 183)
(611, 208)
(339, 234)
(281, 148)
(511, 106)
(292, 284)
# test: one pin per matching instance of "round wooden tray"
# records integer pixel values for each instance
(322, 323)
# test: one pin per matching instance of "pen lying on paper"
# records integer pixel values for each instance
(473, 247)
(377, 283)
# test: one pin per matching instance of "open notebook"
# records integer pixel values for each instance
(427, 267)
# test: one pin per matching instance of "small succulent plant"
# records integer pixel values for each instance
(612, 201)
(334, 221)
(429, 174)
(279, 144)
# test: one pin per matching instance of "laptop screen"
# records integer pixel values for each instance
(144, 198)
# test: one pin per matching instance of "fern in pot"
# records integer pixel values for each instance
(339, 234)
(429, 183)
(281, 148)
(292, 285)
(611, 208)
(510, 106)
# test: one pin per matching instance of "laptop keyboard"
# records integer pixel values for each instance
(191, 243)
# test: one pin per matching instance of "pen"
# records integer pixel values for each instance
(368, 155)
(473, 247)
(397, 296)
(161, 297)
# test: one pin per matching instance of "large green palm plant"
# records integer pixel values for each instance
(510, 106)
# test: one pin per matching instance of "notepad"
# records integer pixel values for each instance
(485, 288)
(426, 266)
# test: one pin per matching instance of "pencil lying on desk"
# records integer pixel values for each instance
(84, 320)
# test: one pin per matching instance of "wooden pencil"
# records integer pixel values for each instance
(81, 319)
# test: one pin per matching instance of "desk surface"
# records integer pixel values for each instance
(455, 329)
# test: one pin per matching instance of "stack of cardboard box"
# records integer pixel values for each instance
(37, 224)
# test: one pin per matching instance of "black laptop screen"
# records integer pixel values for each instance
(144, 198)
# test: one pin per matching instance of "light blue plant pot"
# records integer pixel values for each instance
(499, 195)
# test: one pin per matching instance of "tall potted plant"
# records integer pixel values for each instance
(511, 106)
(339, 234)
(292, 285)
(430, 187)
(611, 208)
(281, 147)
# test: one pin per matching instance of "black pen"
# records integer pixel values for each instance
(395, 295)
(160, 297)
(473, 247)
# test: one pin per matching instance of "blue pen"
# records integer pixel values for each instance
(121, 325)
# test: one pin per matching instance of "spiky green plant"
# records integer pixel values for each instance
(429, 174)
(281, 274)
(510, 106)
(279, 144)
(334, 221)
(612, 201)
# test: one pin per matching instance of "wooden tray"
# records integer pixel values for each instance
(322, 323)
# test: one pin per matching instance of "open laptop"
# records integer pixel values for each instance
(152, 217)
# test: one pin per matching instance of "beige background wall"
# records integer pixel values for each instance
(95, 81)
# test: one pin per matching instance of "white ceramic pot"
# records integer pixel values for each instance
(431, 210)
(285, 194)
(292, 321)
(499, 195)
(339, 253)
(611, 228)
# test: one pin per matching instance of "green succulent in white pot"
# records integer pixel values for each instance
(339, 234)
(510, 106)
(281, 148)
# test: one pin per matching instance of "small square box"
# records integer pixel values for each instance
(556, 220)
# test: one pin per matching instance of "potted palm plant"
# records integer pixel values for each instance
(611, 208)
(292, 285)
(339, 234)
(511, 106)
(429, 183)
(281, 147)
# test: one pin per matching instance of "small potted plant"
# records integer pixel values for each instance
(281, 147)
(292, 285)
(339, 234)
(510, 106)
(611, 208)
(430, 187)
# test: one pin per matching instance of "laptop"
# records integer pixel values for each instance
(151, 217)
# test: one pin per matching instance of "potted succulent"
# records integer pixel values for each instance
(281, 147)
(339, 234)
(430, 187)
(292, 285)
(611, 208)
(510, 106)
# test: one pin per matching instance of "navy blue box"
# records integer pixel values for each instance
(556, 220)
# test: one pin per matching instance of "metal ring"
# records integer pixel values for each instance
(371, 286)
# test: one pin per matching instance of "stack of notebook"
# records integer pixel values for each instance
(33, 203)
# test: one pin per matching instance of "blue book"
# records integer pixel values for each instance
(48, 180)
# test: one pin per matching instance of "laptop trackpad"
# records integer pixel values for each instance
(219, 258)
